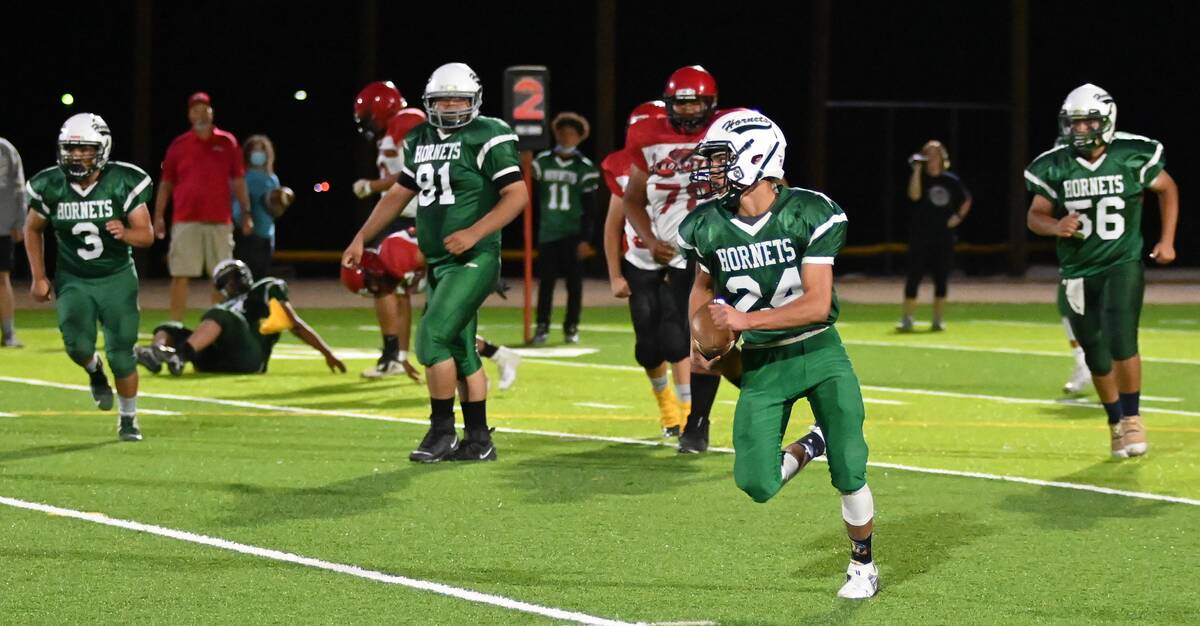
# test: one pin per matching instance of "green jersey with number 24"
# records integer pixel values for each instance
(756, 266)
(78, 216)
(1107, 195)
(457, 175)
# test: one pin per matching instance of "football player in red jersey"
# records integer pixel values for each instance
(659, 194)
(397, 266)
(382, 115)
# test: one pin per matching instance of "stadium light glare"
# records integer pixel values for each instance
(300, 94)
(67, 99)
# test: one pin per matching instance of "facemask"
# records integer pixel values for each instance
(258, 158)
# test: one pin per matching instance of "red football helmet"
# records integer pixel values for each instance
(374, 107)
(370, 277)
(653, 108)
(352, 278)
(400, 256)
(404, 121)
(690, 84)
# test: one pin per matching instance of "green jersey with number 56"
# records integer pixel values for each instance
(756, 265)
(458, 176)
(1107, 195)
(78, 216)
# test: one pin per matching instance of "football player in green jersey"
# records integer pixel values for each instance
(97, 210)
(1088, 193)
(765, 254)
(237, 335)
(464, 171)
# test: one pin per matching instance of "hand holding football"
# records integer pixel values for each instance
(710, 341)
(280, 199)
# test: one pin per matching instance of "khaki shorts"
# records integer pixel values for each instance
(197, 247)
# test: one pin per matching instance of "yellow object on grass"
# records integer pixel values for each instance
(277, 322)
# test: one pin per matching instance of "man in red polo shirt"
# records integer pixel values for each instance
(200, 167)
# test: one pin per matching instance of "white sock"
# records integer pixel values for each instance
(684, 391)
(789, 466)
(658, 383)
(127, 406)
(93, 365)
(1080, 359)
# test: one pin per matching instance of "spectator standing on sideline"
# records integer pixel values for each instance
(940, 203)
(255, 249)
(12, 225)
(196, 174)
(566, 183)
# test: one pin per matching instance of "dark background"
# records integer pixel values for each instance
(252, 56)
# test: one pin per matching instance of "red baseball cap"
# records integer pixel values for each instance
(199, 96)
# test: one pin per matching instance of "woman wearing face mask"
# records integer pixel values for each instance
(255, 249)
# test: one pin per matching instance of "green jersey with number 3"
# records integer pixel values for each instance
(756, 266)
(78, 216)
(458, 176)
(561, 184)
(1107, 196)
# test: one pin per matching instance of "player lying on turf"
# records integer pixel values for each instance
(769, 250)
(397, 266)
(237, 335)
(97, 210)
(1088, 193)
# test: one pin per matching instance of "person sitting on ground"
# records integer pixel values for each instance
(237, 335)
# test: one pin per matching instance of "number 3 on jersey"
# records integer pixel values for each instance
(429, 184)
(788, 290)
(1108, 226)
(91, 233)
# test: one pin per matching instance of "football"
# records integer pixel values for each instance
(280, 199)
(710, 341)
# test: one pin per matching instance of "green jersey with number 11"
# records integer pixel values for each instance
(756, 265)
(78, 216)
(458, 176)
(1107, 195)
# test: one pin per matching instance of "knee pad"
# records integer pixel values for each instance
(759, 491)
(121, 361)
(647, 354)
(858, 507)
(675, 339)
(1099, 359)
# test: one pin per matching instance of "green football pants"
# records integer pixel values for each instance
(111, 301)
(456, 291)
(818, 369)
(1104, 311)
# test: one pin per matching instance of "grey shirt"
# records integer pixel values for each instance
(12, 189)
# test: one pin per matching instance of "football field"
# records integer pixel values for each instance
(287, 498)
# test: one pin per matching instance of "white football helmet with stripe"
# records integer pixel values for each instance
(739, 149)
(87, 130)
(1088, 102)
(453, 80)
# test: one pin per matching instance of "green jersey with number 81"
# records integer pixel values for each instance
(458, 176)
(1107, 195)
(78, 216)
(756, 266)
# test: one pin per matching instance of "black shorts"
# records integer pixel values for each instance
(6, 254)
(658, 304)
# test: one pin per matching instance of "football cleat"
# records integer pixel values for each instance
(862, 581)
(1080, 380)
(11, 341)
(694, 439)
(101, 392)
(937, 326)
(475, 446)
(540, 335)
(507, 361)
(127, 428)
(905, 325)
(1117, 443)
(385, 366)
(174, 362)
(1133, 435)
(437, 445)
(149, 358)
(571, 335)
(671, 431)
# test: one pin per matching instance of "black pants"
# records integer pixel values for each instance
(658, 303)
(934, 256)
(555, 259)
(255, 252)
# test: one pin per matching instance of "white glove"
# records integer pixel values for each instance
(362, 188)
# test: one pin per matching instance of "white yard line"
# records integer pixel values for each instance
(601, 405)
(3, 414)
(340, 568)
(1161, 398)
(659, 442)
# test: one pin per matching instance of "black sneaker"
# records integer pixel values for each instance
(670, 431)
(148, 358)
(128, 429)
(476, 446)
(694, 439)
(571, 335)
(540, 335)
(101, 392)
(437, 445)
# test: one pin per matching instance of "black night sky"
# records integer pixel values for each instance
(252, 56)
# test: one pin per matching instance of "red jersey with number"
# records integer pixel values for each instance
(668, 158)
(616, 176)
